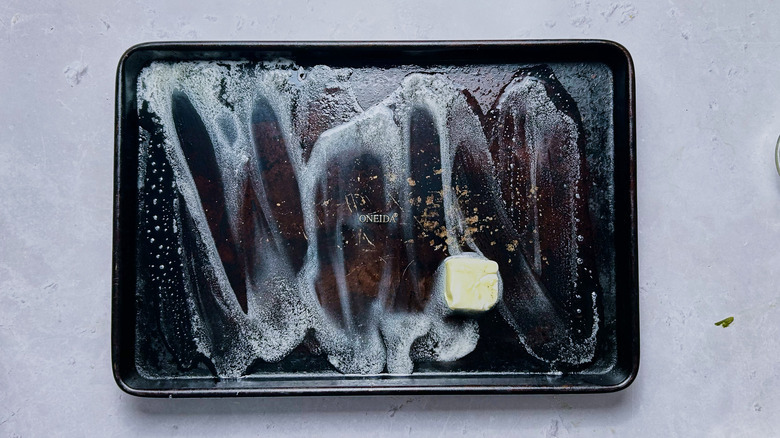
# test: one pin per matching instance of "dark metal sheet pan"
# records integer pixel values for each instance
(285, 215)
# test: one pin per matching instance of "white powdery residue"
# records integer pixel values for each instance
(510, 319)
(545, 123)
(582, 352)
(279, 322)
(339, 266)
(274, 87)
(327, 92)
(157, 85)
(457, 126)
(447, 340)
(291, 92)
(201, 82)
(372, 132)
(364, 355)
(399, 331)
(350, 351)
(435, 94)
(264, 88)
(283, 306)
(143, 151)
(278, 64)
(201, 337)
(465, 132)
(383, 132)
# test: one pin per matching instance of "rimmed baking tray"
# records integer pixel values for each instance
(285, 213)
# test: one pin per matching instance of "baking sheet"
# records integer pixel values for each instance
(284, 212)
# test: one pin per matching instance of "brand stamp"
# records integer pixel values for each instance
(378, 218)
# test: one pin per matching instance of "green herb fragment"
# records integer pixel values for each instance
(726, 322)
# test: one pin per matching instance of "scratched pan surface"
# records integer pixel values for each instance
(283, 211)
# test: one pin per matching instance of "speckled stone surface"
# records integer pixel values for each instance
(708, 101)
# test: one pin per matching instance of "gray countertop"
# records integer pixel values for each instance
(708, 196)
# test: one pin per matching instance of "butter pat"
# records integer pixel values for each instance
(471, 283)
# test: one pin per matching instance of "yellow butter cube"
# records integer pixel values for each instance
(471, 283)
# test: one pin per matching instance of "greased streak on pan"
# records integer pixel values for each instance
(202, 163)
(538, 148)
